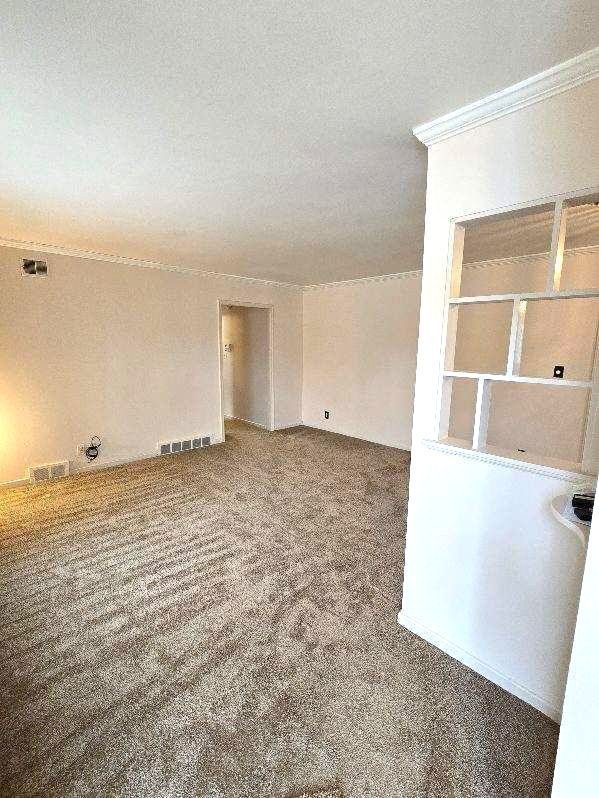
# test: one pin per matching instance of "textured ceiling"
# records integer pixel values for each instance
(267, 139)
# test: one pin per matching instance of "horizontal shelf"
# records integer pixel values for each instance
(472, 375)
(573, 294)
(548, 466)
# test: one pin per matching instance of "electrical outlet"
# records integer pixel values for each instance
(326, 414)
(80, 449)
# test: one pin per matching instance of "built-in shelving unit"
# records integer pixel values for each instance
(497, 392)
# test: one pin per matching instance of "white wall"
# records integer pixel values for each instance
(360, 343)
(577, 766)
(490, 576)
(246, 379)
(127, 353)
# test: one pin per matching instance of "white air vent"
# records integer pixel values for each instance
(186, 445)
(43, 473)
(34, 268)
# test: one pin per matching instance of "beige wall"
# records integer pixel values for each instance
(360, 358)
(246, 380)
(127, 353)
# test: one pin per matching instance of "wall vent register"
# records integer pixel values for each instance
(510, 318)
(185, 445)
(48, 471)
(33, 268)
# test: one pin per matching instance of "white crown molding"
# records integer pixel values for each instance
(557, 79)
(377, 278)
(56, 249)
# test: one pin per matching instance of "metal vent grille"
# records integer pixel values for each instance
(39, 474)
(186, 445)
(43, 473)
(34, 268)
(58, 470)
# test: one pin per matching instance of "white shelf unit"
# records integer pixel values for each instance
(588, 463)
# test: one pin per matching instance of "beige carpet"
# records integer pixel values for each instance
(223, 624)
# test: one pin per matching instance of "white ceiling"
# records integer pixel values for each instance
(267, 139)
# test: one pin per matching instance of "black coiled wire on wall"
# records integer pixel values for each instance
(93, 450)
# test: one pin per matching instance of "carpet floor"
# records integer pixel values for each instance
(222, 623)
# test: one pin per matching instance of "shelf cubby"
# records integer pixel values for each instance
(509, 325)
(482, 337)
(506, 252)
(560, 332)
(544, 422)
(580, 268)
(460, 394)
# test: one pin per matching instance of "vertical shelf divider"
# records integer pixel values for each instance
(450, 330)
(556, 257)
(446, 391)
(457, 258)
(481, 414)
(590, 445)
(516, 338)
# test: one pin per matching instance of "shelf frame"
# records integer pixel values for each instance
(590, 449)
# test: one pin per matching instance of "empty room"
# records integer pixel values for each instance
(299, 399)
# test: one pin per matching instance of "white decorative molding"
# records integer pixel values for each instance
(57, 249)
(562, 77)
(377, 278)
(574, 477)
(544, 705)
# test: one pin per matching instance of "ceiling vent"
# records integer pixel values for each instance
(34, 268)
(48, 471)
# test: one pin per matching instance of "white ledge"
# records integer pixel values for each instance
(475, 375)
(567, 474)
(557, 79)
(574, 293)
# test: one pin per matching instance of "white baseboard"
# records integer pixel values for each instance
(76, 468)
(247, 421)
(83, 468)
(15, 483)
(406, 447)
(544, 705)
(288, 426)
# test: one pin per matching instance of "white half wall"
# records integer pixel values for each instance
(124, 352)
(482, 546)
(360, 341)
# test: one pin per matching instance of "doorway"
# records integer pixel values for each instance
(245, 359)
